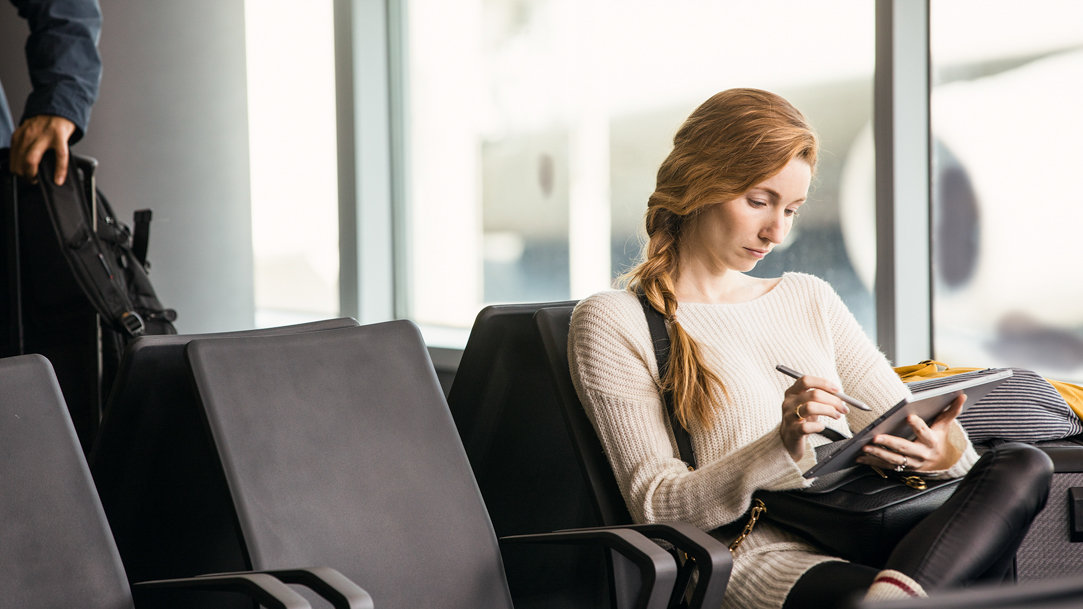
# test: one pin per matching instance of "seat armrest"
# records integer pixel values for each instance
(712, 558)
(657, 568)
(264, 589)
(330, 584)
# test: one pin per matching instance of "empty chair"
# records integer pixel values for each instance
(338, 447)
(153, 460)
(56, 549)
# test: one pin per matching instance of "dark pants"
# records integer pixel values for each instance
(973, 537)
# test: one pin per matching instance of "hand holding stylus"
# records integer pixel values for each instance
(803, 405)
(856, 403)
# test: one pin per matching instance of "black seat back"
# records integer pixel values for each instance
(156, 469)
(56, 549)
(508, 415)
(552, 324)
(338, 449)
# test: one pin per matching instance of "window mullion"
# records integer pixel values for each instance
(901, 130)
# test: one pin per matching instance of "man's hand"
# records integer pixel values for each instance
(33, 137)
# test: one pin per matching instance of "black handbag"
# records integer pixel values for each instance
(858, 514)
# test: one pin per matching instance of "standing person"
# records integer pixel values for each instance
(65, 72)
(729, 193)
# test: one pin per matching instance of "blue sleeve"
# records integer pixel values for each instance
(62, 56)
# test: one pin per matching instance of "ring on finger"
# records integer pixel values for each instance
(902, 466)
(797, 411)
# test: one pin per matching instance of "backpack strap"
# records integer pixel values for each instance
(141, 235)
(74, 219)
(656, 322)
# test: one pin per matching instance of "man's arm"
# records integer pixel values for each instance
(65, 72)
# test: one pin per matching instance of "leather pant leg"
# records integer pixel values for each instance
(975, 534)
(830, 584)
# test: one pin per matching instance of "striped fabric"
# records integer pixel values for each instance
(1024, 408)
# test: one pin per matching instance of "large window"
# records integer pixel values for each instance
(291, 119)
(534, 130)
(1006, 203)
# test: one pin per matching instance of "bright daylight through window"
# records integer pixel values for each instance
(535, 128)
(1006, 200)
(291, 124)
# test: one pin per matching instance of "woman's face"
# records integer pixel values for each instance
(737, 234)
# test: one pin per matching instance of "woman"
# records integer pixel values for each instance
(727, 194)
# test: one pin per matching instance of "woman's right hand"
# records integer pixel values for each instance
(808, 399)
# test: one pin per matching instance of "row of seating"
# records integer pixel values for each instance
(317, 455)
(320, 466)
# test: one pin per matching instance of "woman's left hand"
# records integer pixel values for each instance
(930, 450)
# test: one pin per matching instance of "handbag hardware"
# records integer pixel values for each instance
(758, 509)
(914, 482)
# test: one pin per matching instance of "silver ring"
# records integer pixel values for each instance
(902, 466)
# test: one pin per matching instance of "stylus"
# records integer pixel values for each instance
(842, 396)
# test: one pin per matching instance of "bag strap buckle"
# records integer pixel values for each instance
(132, 323)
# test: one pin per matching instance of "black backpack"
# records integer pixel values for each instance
(108, 260)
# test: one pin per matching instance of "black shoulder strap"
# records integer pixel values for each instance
(660, 339)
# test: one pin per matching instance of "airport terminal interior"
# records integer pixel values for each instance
(372, 220)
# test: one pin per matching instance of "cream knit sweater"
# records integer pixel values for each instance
(802, 323)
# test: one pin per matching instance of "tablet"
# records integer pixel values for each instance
(928, 399)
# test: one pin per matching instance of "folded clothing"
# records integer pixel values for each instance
(1024, 408)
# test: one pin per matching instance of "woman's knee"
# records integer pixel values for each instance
(1025, 468)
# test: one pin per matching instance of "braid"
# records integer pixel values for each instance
(686, 375)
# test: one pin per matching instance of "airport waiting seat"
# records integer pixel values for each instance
(56, 548)
(338, 446)
(524, 464)
(552, 324)
(508, 411)
(153, 461)
(713, 558)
